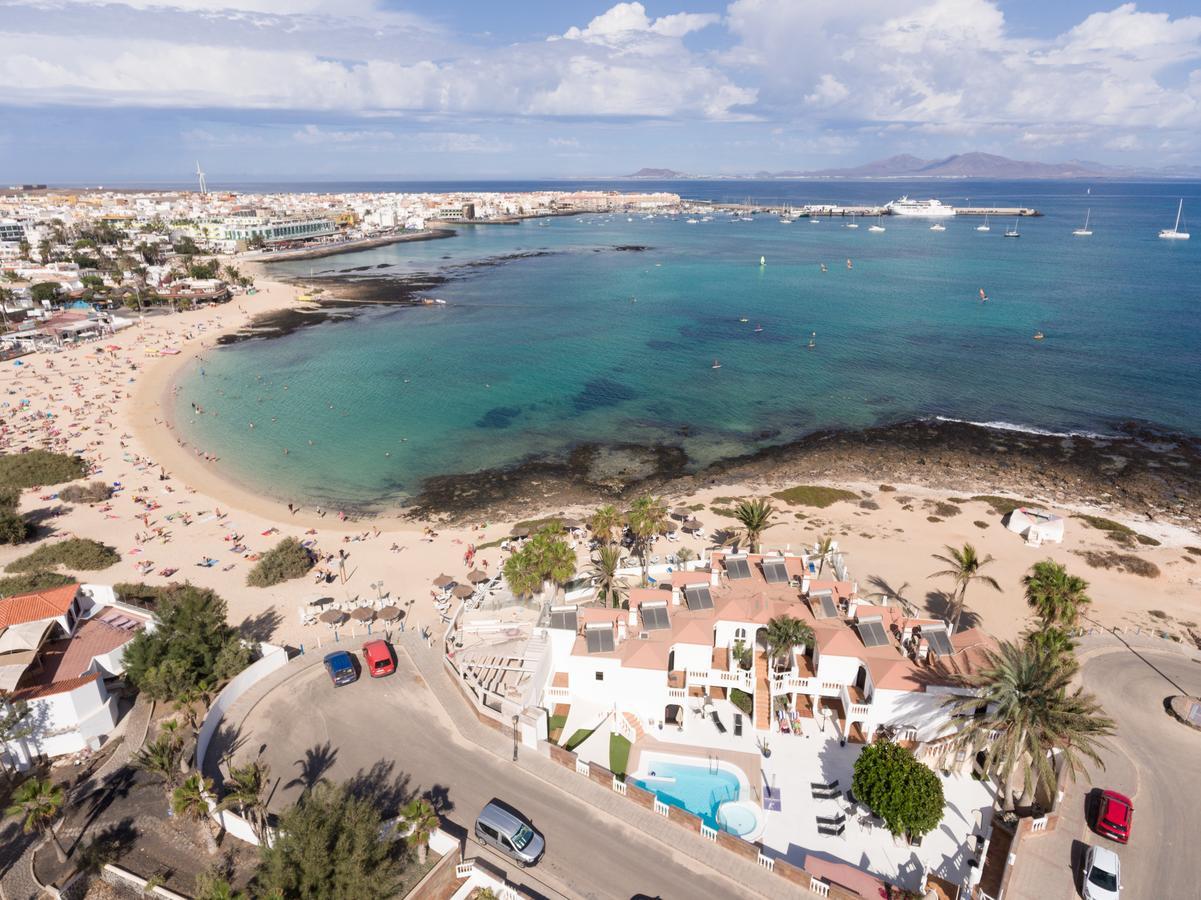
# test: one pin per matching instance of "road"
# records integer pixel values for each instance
(395, 720)
(1155, 761)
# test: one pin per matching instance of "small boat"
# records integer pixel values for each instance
(784, 220)
(1084, 232)
(849, 266)
(813, 340)
(692, 221)
(744, 319)
(824, 269)
(852, 223)
(1174, 233)
(716, 365)
(983, 296)
(763, 260)
(758, 328)
(877, 226)
(984, 227)
(1013, 232)
(814, 220)
(938, 226)
(1038, 335)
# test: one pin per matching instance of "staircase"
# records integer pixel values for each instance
(632, 729)
(762, 694)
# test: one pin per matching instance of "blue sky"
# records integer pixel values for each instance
(413, 89)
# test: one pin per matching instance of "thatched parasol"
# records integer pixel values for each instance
(363, 614)
(443, 581)
(463, 591)
(333, 617)
(475, 576)
(388, 613)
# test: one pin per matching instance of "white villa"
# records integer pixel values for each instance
(58, 648)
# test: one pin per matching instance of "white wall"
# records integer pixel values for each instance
(842, 669)
(67, 721)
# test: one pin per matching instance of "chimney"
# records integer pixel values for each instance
(633, 616)
(714, 576)
(621, 630)
(675, 596)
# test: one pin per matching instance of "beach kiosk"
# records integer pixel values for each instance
(1037, 526)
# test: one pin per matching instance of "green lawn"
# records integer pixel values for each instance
(619, 755)
(580, 735)
(554, 726)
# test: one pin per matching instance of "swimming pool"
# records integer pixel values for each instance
(710, 791)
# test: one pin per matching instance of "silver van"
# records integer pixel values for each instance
(498, 827)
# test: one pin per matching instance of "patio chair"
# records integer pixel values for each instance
(721, 729)
(737, 724)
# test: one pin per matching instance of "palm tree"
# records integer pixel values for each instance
(609, 585)
(545, 559)
(39, 803)
(825, 549)
(1024, 689)
(606, 523)
(161, 760)
(965, 565)
(1055, 595)
(1055, 640)
(784, 633)
(421, 820)
(648, 519)
(755, 516)
(190, 801)
(683, 555)
(246, 793)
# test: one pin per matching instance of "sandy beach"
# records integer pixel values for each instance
(175, 510)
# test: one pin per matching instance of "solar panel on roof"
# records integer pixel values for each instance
(871, 632)
(738, 568)
(698, 597)
(655, 617)
(940, 641)
(600, 640)
(823, 604)
(774, 571)
(564, 618)
(829, 607)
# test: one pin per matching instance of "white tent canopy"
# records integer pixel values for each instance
(1037, 526)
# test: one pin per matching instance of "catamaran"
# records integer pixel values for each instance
(1084, 232)
(984, 227)
(1174, 233)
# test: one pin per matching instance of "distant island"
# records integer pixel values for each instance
(959, 165)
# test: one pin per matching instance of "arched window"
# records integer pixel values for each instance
(740, 634)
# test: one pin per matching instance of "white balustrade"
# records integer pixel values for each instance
(619, 786)
(767, 862)
(464, 869)
(662, 808)
(819, 887)
(709, 834)
(582, 768)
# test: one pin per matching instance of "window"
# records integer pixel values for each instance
(600, 676)
(489, 831)
(740, 634)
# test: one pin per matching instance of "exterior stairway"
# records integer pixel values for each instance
(762, 694)
(635, 725)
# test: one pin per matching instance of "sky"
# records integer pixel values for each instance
(141, 90)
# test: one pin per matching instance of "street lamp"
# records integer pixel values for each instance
(516, 719)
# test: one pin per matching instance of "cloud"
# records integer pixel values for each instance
(314, 134)
(629, 21)
(563, 142)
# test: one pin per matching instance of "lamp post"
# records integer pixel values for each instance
(516, 737)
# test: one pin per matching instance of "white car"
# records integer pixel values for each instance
(1102, 874)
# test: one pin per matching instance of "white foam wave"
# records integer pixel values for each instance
(1025, 429)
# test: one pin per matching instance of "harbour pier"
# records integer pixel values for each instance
(809, 211)
(999, 211)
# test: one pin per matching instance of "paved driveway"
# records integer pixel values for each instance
(396, 721)
(1155, 761)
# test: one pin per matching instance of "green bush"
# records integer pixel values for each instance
(82, 554)
(283, 562)
(743, 701)
(578, 737)
(814, 495)
(91, 492)
(139, 594)
(39, 467)
(10, 496)
(13, 527)
(902, 791)
(35, 581)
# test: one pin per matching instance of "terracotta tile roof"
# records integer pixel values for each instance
(68, 659)
(47, 604)
(56, 687)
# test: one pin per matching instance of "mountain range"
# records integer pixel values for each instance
(960, 165)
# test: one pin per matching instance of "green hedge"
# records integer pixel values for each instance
(91, 492)
(34, 581)
(75, 553)
(39, 467)
(283, 562)
(743, 701)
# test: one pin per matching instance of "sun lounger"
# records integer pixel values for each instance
(721, 729)
(737, 724)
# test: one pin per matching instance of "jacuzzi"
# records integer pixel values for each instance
(743, 818)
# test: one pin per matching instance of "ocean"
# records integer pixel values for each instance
(604, 329)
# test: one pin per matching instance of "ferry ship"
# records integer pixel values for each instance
(927, 208)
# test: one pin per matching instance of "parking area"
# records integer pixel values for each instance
(1155, 761)
(392, 730)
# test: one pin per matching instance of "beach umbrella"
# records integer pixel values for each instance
(692, 525)
(463, 591)
(388, 613)
(519, 531)
(670, 526)
(363, 614)
(475, 576)
(443, 581)
(333, 617)
(681, 513)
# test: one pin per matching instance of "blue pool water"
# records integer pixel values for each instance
(696, 789)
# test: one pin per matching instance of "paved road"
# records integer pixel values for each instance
(1156, 761)
(588, 853)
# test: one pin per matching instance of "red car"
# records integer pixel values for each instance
(379, 658)
(1115, 814)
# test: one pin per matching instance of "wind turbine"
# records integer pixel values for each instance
(200, 175)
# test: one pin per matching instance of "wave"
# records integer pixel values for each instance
(1027, 429)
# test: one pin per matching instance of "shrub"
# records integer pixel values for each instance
(1123, 562)
(1002, 505)
(39, 467)
(13, 527)
(743, 701)
(578, 737)
(92, 492)
(81, 554)
(898, 788)
(283, 562)
(814, 495)
(35, 581)
(139, 594)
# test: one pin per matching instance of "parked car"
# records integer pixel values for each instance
(380, 661)
(1115, 814)
(497, 827)
(1102, 874)
(340, 666)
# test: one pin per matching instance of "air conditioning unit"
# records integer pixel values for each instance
(644, 635)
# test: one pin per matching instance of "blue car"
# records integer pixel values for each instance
(340, 666)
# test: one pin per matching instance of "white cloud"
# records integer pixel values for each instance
(315, 134)
(627, 21)
(828, 92)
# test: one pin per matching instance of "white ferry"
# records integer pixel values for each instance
(927, 208)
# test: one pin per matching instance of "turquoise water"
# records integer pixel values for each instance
(587, 343)
(694, 788)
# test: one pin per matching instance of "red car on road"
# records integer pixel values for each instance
(379, 658)
(1115, 813)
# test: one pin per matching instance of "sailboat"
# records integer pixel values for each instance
(983, 296)
(1084, 232)
(852, 223)
(758, 328)
(1174, 233)
(877, 226)
(716, 364)
(1013, 232)
(938, 226)
(763, 260)
(984, 227)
